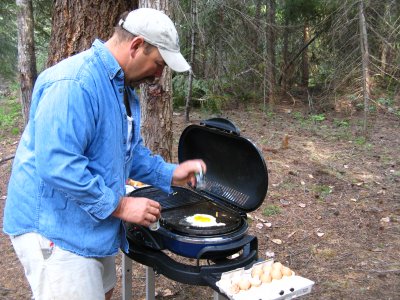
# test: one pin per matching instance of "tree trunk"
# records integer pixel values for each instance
(219, 45)
(386, 43)
(305, 74)
(76, 24)
(256, 40)
(192, 55)
(285, 57)
(156, 103)
(365, 62)
(26, 54)
(257, 36)
(271, 65)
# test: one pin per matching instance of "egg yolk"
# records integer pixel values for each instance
(202, 219)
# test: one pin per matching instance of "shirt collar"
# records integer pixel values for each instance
(110, 63)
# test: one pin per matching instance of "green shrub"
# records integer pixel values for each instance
(271, 210)
(179, 86)
(202, 94)
(385, 101)
(298, 115)
(317, 118)
(341, 123)
(10, 111)
(361, 140)
(180, 83)
(323, 190)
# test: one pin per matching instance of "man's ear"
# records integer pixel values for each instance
(135, 45)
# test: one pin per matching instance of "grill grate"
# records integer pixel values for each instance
(181, 197)
(174, 200)
(182, 203)
(226, 192)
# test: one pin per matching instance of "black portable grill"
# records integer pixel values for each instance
(236, 183)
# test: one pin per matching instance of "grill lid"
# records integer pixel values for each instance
(236, 170)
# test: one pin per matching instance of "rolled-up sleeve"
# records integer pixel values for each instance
(151, 169)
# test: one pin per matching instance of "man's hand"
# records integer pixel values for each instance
(185, 172)
(138, 210)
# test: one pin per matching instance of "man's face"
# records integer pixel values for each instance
(146, 65)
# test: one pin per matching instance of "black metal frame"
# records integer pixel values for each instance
(204, 275)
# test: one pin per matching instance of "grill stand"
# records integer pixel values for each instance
(127, 280)
(207, 275)
(150, 282)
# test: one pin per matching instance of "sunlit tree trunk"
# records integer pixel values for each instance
(271, 65)
(257, 41)
(257, 37)
(156, 103)
(219, 45)
(192, 54)
(26, 54)
(76, 24)
(386, 43)
(285, 57)
(365, 62)
(305, 74)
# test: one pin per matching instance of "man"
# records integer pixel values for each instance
(65, 202)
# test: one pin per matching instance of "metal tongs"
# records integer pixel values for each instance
(200, 179)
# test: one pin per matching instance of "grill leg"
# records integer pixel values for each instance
(126, 278)
(218, 296)
(150, 284)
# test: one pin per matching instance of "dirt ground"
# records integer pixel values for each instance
(332, 212)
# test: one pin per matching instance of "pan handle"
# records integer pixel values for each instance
(222, 124)
(248, 240)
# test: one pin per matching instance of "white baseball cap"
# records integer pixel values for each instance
(158, 30)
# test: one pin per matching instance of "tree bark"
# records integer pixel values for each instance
(192, 55)
(219, 44)
(156, 103)
(365, 62)
(285, 57)
(26, 54)
(271, 65)
(76, 24)
(305, 74)
(257, 37)
(386, 43)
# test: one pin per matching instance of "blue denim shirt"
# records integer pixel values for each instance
(71, 164)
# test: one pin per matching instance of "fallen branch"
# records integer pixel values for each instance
(7, 159)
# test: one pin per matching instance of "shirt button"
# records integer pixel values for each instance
(121, 90)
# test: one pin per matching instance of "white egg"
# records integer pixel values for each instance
(255, 281)
(286, 271)
(266, 278)
(256, 271)
(244, 284)
(203, 220)
(276, 274)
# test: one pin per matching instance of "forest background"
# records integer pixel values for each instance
(325, 71)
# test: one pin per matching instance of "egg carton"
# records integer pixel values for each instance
(288, 287)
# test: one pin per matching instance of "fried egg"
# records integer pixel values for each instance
(203, 220)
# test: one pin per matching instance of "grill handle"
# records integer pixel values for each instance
(232, 247)
(222, 124)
